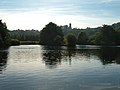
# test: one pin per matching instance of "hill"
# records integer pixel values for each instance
(89, 31)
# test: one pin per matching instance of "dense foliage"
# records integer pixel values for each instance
(14, 42)
(107, 36)
(51, 34)
(82, 38)
(70, 40)
(25, 35)
(4, 36)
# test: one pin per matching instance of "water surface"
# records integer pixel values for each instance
(34, 67)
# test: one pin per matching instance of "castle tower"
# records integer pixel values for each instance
(70, 25)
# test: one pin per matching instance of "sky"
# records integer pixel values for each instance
(35, 14)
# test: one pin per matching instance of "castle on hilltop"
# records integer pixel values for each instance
(67, 26)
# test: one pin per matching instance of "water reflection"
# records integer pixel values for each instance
(68, 68)
(71, 52)
(108, 55)
(54, 55)
(3, 60)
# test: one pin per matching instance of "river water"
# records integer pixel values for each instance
(34, 67)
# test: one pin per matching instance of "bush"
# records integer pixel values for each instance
(82, 38)
(70, 40)
(15, 42)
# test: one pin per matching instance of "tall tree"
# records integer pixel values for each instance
(3, 33)
(50, 34)
(3, 30)
(118, 37)
(70, 40)
(82, 38)
(107, 36)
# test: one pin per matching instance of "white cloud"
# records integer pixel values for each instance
(37, 18)
(106, 1)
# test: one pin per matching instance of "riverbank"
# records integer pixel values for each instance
(29, 42)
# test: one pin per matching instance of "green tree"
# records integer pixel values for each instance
(25, 35)
(97, 39)
(58, 40)
(1, 41)
(14, 42)
(82, 38)
(70, 40)
(118, 37)
(107, 36)
(3, 30)
(50, 34)
(3, 34)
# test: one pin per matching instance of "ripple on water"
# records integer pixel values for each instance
(34, 67)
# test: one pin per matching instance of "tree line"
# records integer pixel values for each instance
(25, 35)
(52, 34)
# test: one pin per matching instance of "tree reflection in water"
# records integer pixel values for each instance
(108, 55)
(55, 55)
(70, 52)
(3, 60)
(52, 56)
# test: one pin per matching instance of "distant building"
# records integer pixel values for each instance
(70, 25)
(66, 27)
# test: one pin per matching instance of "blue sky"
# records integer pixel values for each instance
(35, 14)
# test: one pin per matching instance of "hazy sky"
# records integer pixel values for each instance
(35, 14)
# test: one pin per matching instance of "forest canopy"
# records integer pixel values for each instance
(52, 34)
(4, 36)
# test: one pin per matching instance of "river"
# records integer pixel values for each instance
(35, 67)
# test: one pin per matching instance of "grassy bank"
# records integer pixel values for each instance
(29, 42)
